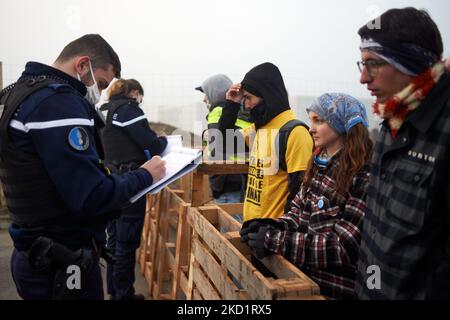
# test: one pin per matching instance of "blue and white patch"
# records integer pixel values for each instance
(320, 204)
(78, 139)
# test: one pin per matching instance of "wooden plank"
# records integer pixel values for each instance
(284, 269)
(226, 167)
(160, 262)
(235, 240)
(232, 208)
(153, 241)
(227, 222)
(181, 259)
(203, 285)
(197, 295)
(207, 193)
(170, 256)
(178, 192)
(278, 265)
(200, 191)
(321, 298)
(182, 251)
(210, 213)
(143, 259)
(186, 186)
(176, 198)
(197, 189)
(143, 249)
(183, 285)
(148, 272)
(190, 286)
(290, 288)
(219, 277)
(240, 267)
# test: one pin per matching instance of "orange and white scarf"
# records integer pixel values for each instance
(397, 108)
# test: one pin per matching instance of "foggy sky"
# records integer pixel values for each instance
(171, 46)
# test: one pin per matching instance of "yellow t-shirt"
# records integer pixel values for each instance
(267, 187)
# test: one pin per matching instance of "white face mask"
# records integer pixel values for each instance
(93, 94)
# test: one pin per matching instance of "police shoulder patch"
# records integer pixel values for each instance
(78, 139)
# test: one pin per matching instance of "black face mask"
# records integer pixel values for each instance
(258, 115)
(244, 114)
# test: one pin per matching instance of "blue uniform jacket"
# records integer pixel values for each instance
(131, 119)
(47, 124)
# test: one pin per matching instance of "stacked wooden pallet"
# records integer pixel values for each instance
(164, 252)
(191, 249)
(221, 267)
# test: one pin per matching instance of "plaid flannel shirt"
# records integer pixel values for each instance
(406, 230)
(322, 232)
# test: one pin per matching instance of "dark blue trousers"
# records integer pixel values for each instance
(35, 285)
(124, 235)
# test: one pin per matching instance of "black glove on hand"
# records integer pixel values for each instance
(252, 226)
(249, 227)
(256, 242)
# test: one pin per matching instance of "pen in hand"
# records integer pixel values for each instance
(147, 154)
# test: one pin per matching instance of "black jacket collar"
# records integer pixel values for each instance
(33, 69)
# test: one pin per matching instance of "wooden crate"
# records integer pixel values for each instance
(165, 246)
(201, 192)
(220, 267)
(167, 214)
(205, 264)
(193, 185)
(183, 188)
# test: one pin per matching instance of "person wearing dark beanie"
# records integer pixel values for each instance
(406, 226)
(272, 184)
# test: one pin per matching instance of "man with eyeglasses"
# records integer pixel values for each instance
(405, 246)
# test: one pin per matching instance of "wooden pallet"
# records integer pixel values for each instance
(165, 246)
(220, 267)
(144, 249)
(205, 264)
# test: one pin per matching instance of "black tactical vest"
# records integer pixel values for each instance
(31, 196)
(120, 149)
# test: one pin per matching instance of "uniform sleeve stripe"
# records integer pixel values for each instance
(124, 124)
(50, 124)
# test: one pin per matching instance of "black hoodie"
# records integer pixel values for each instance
(266, 78)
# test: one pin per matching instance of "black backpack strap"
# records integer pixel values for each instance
(12, 97)
(283, 136)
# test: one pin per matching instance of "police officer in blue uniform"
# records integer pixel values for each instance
(59, 195)
(127, 138)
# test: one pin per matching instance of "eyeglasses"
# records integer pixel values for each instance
(372, 66)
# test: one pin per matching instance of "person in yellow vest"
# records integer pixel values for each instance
(228, 188)
(275, 171)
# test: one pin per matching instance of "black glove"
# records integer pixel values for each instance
(249, 227)
(256, 242)
(252, 226)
